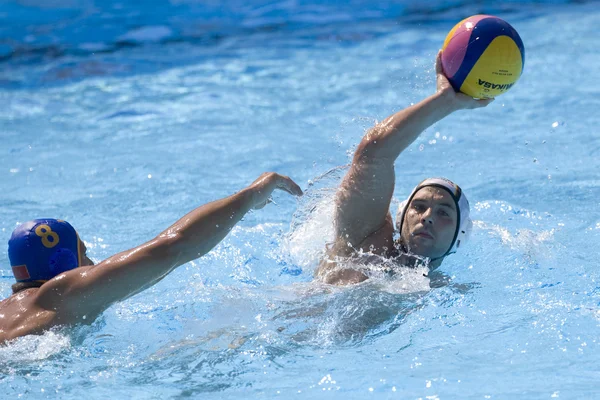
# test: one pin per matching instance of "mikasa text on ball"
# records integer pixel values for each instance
(483, 56)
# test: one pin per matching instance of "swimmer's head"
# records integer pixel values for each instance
(434, 220)
(43, 248)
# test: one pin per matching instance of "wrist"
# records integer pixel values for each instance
(447, 100)
(248, 197)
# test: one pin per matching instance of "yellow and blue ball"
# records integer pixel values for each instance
(483, 56)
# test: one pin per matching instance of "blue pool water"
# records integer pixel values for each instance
(121, 119)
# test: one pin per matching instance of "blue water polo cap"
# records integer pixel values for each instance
(43, 248)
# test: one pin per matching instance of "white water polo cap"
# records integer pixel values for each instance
(464, 226)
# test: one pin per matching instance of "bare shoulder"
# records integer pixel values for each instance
(59, 293)
(21, 315)
(345, 276)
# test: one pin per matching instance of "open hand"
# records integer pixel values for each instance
(267, 183)
(461, 100)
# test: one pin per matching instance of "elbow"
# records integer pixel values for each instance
(166, 247)
(366, 150)
(372, 146)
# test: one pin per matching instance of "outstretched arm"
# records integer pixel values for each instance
(364, 196)
(90, 290)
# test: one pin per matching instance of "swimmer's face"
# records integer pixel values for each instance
(430, 222)
(85, 261)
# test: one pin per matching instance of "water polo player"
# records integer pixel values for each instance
(57, 284)
(433, 222)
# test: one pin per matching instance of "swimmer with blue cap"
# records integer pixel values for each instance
(57, 284)
(434, 220)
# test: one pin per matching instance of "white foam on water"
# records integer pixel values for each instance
(34, 347)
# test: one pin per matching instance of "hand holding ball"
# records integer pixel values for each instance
(483, 56)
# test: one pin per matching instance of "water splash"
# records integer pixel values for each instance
(34, 347)
(312, 223)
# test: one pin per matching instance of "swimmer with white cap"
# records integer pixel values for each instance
(434, 220)
(57, 284)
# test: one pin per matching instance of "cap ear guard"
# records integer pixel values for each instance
(400, 215)
(61, 261)
(464, 234)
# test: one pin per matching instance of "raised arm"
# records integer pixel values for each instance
(364, 196)
(90, 290)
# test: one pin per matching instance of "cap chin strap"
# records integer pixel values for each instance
(431, 259)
